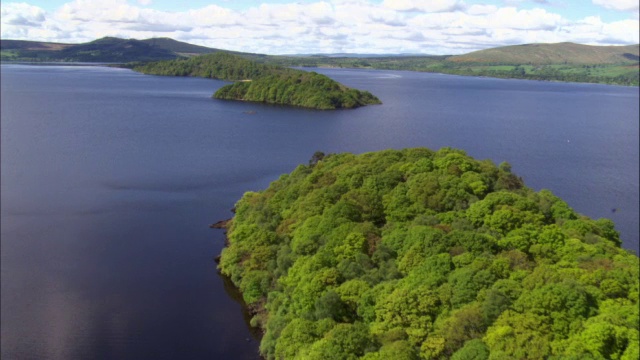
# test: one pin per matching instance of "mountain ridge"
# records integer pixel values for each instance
(106, 49)
(553, 53)
(166, 48)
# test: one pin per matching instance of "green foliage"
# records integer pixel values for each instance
(397, 255)
(220, 65)
(265, 83)
(400, 350)
(297, 88)
(472, 350)
(344, 341)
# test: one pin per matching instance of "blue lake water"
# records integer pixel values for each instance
(110, 179)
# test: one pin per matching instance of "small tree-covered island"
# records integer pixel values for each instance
(421, 254)
(265, 83)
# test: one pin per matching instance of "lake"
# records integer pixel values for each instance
(110, 179)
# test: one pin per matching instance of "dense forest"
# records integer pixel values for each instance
(421, 254)
(266, 83)
(221, 66)
(298, 88)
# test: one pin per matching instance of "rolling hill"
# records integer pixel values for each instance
(107, 49)
(26, 45)
(546, 54)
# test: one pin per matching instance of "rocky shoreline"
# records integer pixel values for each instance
(222, 224)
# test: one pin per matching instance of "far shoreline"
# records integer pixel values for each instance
(125, 66)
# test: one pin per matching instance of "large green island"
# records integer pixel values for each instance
(421, 254)
(264, 83)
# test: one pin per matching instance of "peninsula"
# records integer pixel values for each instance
(264, 83)
(421, 254)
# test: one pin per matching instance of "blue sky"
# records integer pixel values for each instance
(316, 26)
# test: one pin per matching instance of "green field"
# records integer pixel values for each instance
(8, 55)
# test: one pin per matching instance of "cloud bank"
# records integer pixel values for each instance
(354, 26)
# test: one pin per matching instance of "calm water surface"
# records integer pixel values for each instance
(110, 179)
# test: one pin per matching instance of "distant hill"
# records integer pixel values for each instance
(111, 49)
(107, 49)
(356, 55)
(560, 53)
(179, 47)
(31, 45)
(552, 62)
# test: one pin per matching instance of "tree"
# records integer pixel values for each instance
(317, 156)
(472, 350)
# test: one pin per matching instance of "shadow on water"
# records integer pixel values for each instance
(234, 293)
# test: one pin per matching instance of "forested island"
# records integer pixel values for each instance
(265, 83)
(421, 254)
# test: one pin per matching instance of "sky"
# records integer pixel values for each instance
(437, 27)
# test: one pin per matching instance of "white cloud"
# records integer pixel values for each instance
(423, 6)
(536, 19)
(435, 27)
(21, 14)
(622, 32)
(212, 16)
(481, 9)
(620, 5)
(99, 11)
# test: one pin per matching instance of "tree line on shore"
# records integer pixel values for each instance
(613, 74)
